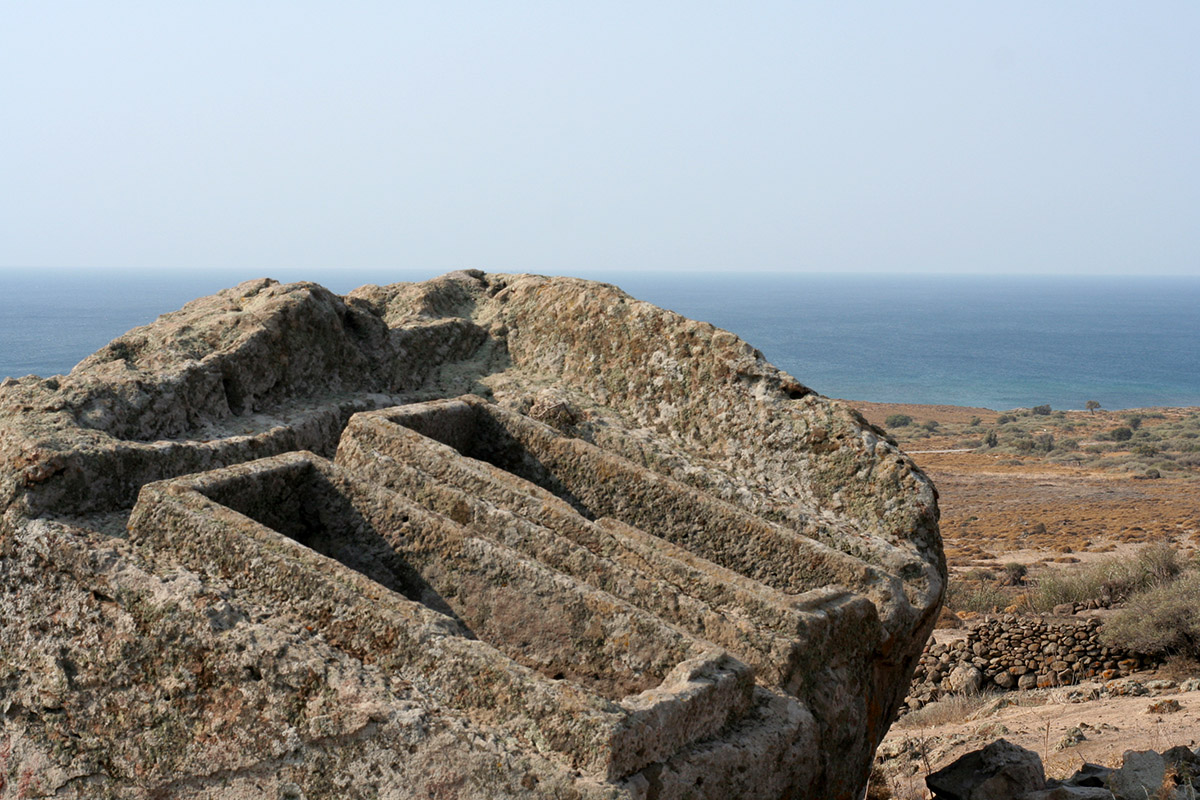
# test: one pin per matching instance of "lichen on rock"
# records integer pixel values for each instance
(483, 536)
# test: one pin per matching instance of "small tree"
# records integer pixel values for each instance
(1043, 411)
(898, 421)
(1092, 405)
(1121, 434)
(991, 440)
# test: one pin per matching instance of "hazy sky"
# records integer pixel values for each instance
(567, 137)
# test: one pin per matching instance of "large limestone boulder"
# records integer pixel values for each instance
(484, 536)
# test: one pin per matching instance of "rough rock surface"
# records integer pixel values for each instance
(1000, 771)
(484, 536)
(1005, 771)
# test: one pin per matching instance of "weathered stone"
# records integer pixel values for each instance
(482, 537)
(1090, 775)
(1183, 758)
(1169, 706)
(1068, 792)
(1001, 769)
(965, 680)
(1073, 737)
(1141, 775)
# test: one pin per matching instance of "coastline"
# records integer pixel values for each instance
(966, 341)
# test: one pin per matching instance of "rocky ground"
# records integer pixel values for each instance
(1052, 511)
(1067, 726)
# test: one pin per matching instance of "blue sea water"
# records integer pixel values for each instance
(990, 341)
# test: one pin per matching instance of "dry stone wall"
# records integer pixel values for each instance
(1019, 652)
(486, 536)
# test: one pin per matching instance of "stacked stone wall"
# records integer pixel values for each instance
(1019, 652)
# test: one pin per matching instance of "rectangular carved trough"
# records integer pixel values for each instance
(649, 566)
(496, 632)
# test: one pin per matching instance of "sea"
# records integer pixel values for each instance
(990, 341)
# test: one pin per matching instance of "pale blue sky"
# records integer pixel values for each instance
(566, 137)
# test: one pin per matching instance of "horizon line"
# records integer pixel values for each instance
(714, 271)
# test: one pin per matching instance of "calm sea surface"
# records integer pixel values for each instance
(996, 342)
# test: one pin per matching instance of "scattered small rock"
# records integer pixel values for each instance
(1073, 737)
(1161, 685)
(1164, 707)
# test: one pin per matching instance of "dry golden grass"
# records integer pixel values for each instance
(954, 708)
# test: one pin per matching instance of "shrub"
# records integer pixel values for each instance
(1014, 573)
(1044, 442)
(1159, 620)
(1068, 444)
(979, 575)
(1024, 445)
(1115, 578)
(930, 425)
(991, 440)
(1004, 419)
(1054, 588)
(975, 421)
(1121, 434)
(1157, 563)
(980, 597)
(897, 421)
(950, 709)
(1043, 411)
(1134, 421)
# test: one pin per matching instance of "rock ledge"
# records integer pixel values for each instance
(484, 536)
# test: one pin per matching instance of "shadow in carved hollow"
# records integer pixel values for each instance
(308, 508)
